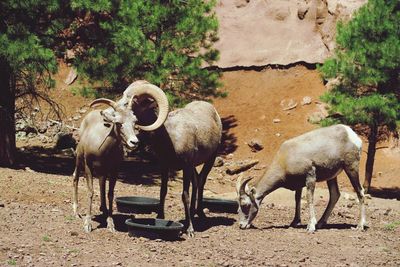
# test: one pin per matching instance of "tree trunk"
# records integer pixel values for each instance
(7, 121)
(369, 166)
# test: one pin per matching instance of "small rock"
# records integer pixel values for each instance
(255, 145)
(218, 162)
(277, 134)
(83, 110)
(76, 117)
(288, 104)
(348, 197)
(386, 213)
(276, 121)
(306, 100)
(72, 75)
(73, 233)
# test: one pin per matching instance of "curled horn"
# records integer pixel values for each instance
(161, 99)
(104, 101)
(243, 186)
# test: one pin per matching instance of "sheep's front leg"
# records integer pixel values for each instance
(187, 177)
(310, 184)
(334, 195)
(110, 221)
(163, 193)
(102, 184)
(296, 220)
(87, 225)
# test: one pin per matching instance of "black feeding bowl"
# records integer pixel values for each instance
(220, 205)
(142, 205)
(154, 228)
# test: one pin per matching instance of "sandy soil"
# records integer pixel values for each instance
(38, 229)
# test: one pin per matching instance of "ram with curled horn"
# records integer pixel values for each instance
(189, 137)
(103, 134)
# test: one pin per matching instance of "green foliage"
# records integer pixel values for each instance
(12, 262)
(367, 63)
(392, 226)
(28, 31)
(165, 42)
(46, 238)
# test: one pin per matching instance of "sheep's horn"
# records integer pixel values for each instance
(243, 186)
(106, 101)
(161, 99)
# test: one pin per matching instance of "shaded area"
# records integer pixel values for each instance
(387, 193)
(134, 169)
(228, 143)
(203, 224)
(328, 226)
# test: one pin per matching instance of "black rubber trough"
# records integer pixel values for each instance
(220, 205)
(154, 228)
(138, 205)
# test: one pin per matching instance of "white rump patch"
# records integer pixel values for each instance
(353, 137)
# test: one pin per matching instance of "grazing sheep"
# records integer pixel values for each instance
(316, 156)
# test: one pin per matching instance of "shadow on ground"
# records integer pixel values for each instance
(387, 193)
(133, 170)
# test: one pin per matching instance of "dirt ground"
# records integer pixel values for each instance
(38, 229)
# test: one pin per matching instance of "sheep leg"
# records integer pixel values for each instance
(195, 184)
(163, 193)
(102, 184)
(111, 187)
(334, 195)
(352, 173)
(202, 181)
(75, 191)
(296, 220)
(187, 177)
(87, 225)
(310, 184)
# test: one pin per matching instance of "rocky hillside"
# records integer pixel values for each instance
(269, 32)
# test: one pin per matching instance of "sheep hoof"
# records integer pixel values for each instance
(110, 225)
(321, 225)
(190, 233)
(311, 228)
(201, 214)
(295, 223)
(160, 216)
(87, 225)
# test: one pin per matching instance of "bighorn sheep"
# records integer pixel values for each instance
(100, 151)
(189, 137)
(316, 156)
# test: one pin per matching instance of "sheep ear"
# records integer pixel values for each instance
(108, 116)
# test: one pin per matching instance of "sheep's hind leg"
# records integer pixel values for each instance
(75, 192)
(310, 184)
(296, 220)
(187, 177)
(202, 181)
(352, 173)
(334, 195)
(87, 224)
